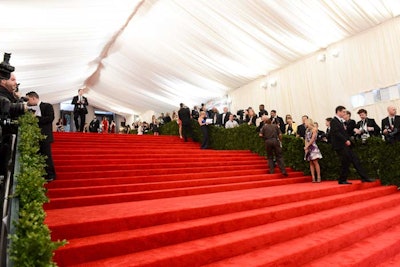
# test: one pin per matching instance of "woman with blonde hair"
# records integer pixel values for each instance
(290, 126)
(312, 152)
(252, 117)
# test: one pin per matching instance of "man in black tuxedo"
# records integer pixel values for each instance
(223, 117)
(366, 127)
(275, 119)
(195, 112)
(341, 144)
(327, 138)
(45, 113)
(301, 129)
(391, 126)
(80, 110)
(185, 117)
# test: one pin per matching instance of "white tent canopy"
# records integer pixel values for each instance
(134, 56)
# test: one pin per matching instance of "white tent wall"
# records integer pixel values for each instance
(146, 116)
(367, 61)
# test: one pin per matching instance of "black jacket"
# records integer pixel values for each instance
(46, 121)
(370, 123)
(338, 134)
(394, 134)
(184, 115)
(77, 106)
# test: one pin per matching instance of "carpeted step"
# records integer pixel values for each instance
(102, 219)
(323, 241)
(390, 261)
(89, 189)
(102, 199)
(189, 163)
(119, 243)
(124, 159)
(82, 181)
(154, 156)
(368, 252)
(157, 171)
(333, 225)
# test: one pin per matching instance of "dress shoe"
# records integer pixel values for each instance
(344, 182)
(368, 180)
(50, 178)
(285, 174)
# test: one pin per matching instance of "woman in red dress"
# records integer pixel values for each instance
(104, 125)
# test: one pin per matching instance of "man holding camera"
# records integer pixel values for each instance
(45, 113)
(8, 82)
(80, 110)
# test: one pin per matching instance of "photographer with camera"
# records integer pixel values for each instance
(8, 89)
(10, 109)
(366, 127)
(391, 125)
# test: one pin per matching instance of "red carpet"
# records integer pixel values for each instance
(127, 200)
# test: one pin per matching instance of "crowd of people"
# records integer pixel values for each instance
(341, 132)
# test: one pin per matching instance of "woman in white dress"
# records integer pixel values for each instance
(312, 152)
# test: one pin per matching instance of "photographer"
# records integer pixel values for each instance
(10, 109)
(391, 125)
(8, 89)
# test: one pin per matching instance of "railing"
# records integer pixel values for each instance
(9, 207)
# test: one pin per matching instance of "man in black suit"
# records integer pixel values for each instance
(391, 126)
(184, 116)
(275, 119)
(341, 144)
(223, 117)
(80, 110)
(350, 125)
(195, 112)
(45, 113)
(301, 129)
(327, 138)
(366, 127)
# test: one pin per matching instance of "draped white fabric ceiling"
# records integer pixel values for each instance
(134, 56)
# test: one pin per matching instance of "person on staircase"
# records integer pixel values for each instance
(273, 138)
(45, 113)
(311, 151)
(80, 102)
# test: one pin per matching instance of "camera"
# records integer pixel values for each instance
(5, 67)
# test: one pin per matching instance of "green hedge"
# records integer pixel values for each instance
(31, 243)
(381, 160)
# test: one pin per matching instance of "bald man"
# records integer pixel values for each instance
(391, 125)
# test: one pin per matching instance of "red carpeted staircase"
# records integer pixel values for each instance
(127, 200)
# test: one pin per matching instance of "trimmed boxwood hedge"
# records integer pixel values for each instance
(380, 159)
(31, 244)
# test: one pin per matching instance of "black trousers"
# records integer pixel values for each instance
(187, 130)
(45, 149)
(204, 131)
(79, 114)
(347, 157)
